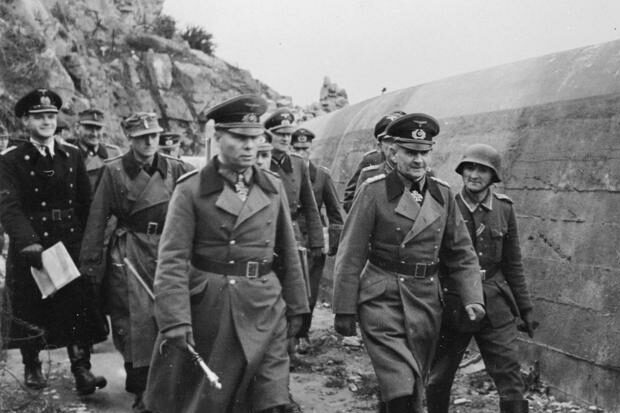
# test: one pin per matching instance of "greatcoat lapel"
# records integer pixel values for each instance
(429, 213)
(155, 192)
(229, 201)
(257, 200)
(407, 206)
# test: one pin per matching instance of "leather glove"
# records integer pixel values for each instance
(345, 324)
(316, 252)
(177, 337)
(32, 255)
(475, 312)
(294, 325)
(334, 240)
(529, 324)
(332, 251)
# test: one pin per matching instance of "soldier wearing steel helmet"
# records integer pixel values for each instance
(492, 226)
(400, 228)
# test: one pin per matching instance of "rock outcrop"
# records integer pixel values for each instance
(105, 54)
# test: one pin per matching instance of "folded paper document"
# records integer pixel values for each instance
(58, 270)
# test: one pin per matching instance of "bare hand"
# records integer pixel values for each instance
(475, 312)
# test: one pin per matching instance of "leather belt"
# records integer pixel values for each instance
(53, 215)
(149, 228)
(414, 269)
(248, 269)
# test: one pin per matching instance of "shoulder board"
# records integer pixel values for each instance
(295, 154)
(370, 152)
(371, 167)
(324, 169)
(112, 159)
(109, 145)
(186, 175)
(70, 145)
(375, 178)
(503, 197)
(271, 173)
(7, 150)
(444, 183)
(169, 157)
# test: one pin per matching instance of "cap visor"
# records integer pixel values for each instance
(91, 122)
(421, 146)
(43, 110)
(288, 129)
(249, 131)
(145, 132)
(301, 145)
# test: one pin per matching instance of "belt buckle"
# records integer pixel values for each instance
(56, 215)
(251, 270)
(483, 274)
(423, 267)
(151, 228)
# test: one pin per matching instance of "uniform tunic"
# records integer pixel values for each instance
(400, 314)
(238, 323)
(46, 203)
(492, 226)
(370, 158)
(94, 160)
(140, 203)
(295, 177)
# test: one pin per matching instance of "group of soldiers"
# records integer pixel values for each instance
(225, 262)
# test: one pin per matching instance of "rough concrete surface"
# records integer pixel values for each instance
(556, 121)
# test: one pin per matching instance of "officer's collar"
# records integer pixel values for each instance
(472, 204)
(132, 166)
(212, 182)
(101, 151)
(395, 187)
(58, 147)
(281, 160)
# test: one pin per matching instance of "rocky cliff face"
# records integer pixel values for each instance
(104, 54)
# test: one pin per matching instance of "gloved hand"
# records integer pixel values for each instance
(315, 252)
(332, 251)
(178, 337)
(32, 255)
(475, 312)
(529, 324)
(294, 325)
(334, 240)
(345, 324)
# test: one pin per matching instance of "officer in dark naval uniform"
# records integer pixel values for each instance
(492, 225)
(44, 199)
(325, 195)
(373, 157)
(89, 140)
(401, 225)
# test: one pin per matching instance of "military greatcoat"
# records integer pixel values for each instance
(94, 160)
(295, 176)
(373, 157)
(238, 322)
(46, 203)
(400, 314)
(140, 203)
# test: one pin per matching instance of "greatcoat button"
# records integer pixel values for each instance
(45, 234)
(43, 203)
(232, 242)
(233, 282)
(31, 173)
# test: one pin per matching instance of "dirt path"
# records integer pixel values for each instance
(334, 377)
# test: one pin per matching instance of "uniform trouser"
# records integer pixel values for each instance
(315, 270)
(498, 347)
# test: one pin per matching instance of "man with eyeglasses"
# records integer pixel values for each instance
(136, 189)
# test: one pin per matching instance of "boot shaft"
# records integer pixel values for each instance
(513, 406)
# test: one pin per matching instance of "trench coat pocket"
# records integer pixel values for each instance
(371, 290)
(197, 293)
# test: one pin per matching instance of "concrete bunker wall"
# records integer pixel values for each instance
(556, 121)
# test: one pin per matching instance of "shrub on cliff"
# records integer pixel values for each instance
(165, 26)
(199, 39)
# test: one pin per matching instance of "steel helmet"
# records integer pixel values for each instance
(482, 154)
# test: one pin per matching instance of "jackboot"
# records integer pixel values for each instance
(276, 409)
(85, 382)
(514, 406)
(400, 405)
(382, 407)
(292, 406)
(33, 376)
(138, 405)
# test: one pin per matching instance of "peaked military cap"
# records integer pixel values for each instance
(61, 125)
(414, 131)
(281, 121)
(383, 123)
(169, 139)
(239, 115)
(302, 138)
(141, 123)
(38, 101)
(264, 144)
(91, 117)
